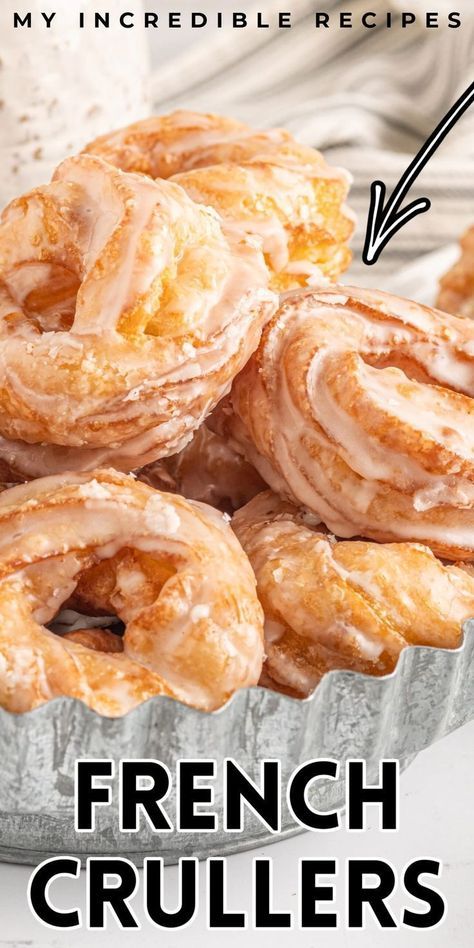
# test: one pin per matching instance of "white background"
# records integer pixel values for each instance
(436, 821)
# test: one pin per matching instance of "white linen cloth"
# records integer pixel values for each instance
(367, 98)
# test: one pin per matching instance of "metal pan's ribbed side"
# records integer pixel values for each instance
(430, 693)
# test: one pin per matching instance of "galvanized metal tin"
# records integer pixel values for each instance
(430, 693)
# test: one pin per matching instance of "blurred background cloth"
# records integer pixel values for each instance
(368, 98)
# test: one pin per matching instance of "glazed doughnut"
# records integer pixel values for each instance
(125, 311)
(349, 604)
(165, 145)
(170, 569)
(208, 469)
(359, 405)
(456, 292)
(263, 182)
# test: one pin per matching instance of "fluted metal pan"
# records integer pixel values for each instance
(430, 694)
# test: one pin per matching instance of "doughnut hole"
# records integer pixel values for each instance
(104, 589)
(101, 588)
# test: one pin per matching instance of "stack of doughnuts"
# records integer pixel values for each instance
(154, 384)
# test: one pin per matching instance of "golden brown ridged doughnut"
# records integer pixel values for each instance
(264, 183)
(360, 406)
(170, 569)
(125, 311)
(344, 604)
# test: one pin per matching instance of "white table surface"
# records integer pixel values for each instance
(436, 821)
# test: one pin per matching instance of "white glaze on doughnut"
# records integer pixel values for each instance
(175, 575)
(169, 308)
(359, 405)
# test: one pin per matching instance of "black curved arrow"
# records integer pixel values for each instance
(384, 221)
